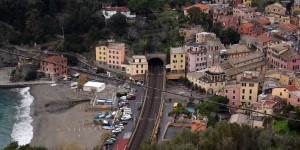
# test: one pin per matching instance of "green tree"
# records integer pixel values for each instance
(118, 24)
(143, 6)
(206, 108)
(197, 17)
(12, 146)
(216, 28)
(31, 75)
(229, 36)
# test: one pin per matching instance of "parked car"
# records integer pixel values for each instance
(123, 97)
(108, 116)
(111, 139)
(126, 117)
(125, 101)
(124, 122)
(117, 130)
(108, 143)
(102, 115)
(126, 86)
(131, 97)
(121, 104)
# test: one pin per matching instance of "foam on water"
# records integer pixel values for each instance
(22, 129)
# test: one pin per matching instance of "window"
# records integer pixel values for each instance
(113, 57)
(113, 52)
(226, 91)
(232, 103)
(99, 57)
(109, 61)
(181, 66)
(137, 66)
(233, 91)
(243, 97)
(181, 60)
(142, 71)
(216, 84)
(181, 55)
(280, 93)
(140, 60)
(284, 90)
(251, 84)
(243, 91)
(104, 58)
(104, 53)
(137, 71)
(117, 62)
(99, 52)
(141, 66)
(290, 95)
(298, 99)
(209, 84)
(233, 97)
(117, 52)
(250, 97)
(174, 56)
(109, 51)
(117, 57)
(243, 84)
(250, 91)
(249, 103)
(174, 66)
(109, 56)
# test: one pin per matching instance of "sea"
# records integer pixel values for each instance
(15, 119)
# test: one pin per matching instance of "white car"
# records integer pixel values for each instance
(127, 109)
(117, 130)
(126, 117)
(127, 112)
(123, 97)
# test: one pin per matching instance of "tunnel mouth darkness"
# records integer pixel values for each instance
(155, 61)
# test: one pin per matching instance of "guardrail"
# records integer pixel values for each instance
(22, 84)
(160, 113)
(143, 106)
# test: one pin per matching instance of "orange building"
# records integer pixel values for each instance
(247, 29)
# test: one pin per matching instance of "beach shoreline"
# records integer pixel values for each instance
(71, 126)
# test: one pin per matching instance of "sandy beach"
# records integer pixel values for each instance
(52, 128)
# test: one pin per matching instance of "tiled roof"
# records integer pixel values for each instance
(288, 27)
(289, 88)
(249, 57)
(55, 58)
(177, 50)
(116, 46)
(117, 9)
(200, 6)
(247, 25)
(263, 21)
(264, 38)
(289, 54)
(237, 48)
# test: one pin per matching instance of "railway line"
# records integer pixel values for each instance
(146, 122)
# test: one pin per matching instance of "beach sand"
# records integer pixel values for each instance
(74, 125)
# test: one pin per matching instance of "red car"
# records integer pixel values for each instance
(131, 97)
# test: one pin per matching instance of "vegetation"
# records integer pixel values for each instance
(31, 75)
(118, 24)
(208, 107)
(197, 17)
(83, 78)
(227, 136)
(14, 146)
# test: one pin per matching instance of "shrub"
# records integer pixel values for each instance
(31, 75)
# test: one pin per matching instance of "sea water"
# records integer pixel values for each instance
(15, 119)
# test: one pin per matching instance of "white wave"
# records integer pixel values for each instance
(22, 129)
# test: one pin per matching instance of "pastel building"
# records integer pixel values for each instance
(231, 90)
(290, 93)
(189, 34)
(137, 67)
(244, 12)
(54, 71)
(247, 29)
(249, 85)
(283, 76)
(110, 55)
(195, 56)
(204, 8)
(262, 42)
(110, 11)
(276, 8)
(203, 37)
(235, 50)
(177, 60)
(281, 56)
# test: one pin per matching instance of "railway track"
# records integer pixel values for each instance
(149, 114)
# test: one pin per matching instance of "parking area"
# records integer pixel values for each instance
(122, 125)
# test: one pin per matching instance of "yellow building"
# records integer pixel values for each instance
(137, 66)
(202, 37)
(284, 91)
(247, 2)
(295, 8)
(189, 34)
(276, 8)
(177, 60)
(249, 85)
(212, 79)
(283, 76)
(110, 55)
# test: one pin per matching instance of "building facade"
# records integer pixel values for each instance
(137, 67)
(110, 55)
(275, 8)
(177, 60)
(195, 57)
(54, 71)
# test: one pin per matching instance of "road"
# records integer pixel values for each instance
(146, 122)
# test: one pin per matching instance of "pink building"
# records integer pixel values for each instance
(244, 12)
(228, 21)
(232, 92)
(294, 98)
(54, 71)
(280, 56)
(195, 56)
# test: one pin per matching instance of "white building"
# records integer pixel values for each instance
(108, 12)
(89, 86)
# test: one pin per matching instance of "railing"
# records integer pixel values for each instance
(160, 113)
(12, 84)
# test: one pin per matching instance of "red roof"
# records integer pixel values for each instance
(263, 21)
(120, 144)
(247, 25)
(269, 103)
(290, 88)
(257, 106)
(117, 9)
(264, 38)
(201, 6)
(288, 27)
(54, 58)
